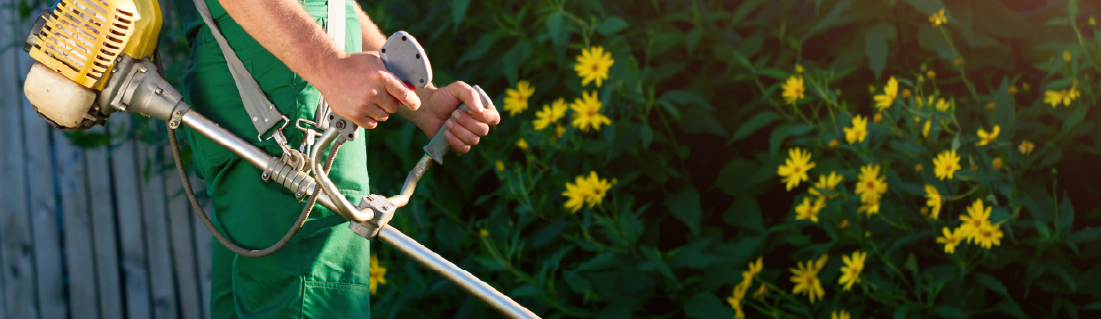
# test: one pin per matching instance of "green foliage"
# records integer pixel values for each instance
(699, 129)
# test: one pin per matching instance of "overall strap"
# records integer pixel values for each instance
(261, 112)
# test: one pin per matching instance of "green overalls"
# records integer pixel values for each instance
(324, 271)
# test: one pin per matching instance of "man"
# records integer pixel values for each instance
(323, 272)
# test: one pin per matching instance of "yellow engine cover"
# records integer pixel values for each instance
(82, 39)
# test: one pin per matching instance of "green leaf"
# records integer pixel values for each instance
(1076, 115)
(948, 312)
(927, 7)
(755, 123)
(554, 27)
(705, 305)
(830, 18)
(780, 133)
(1005, 111)
(1096, 305)
(685, 206)
(603, 260)
(1066, 214)
(956, 142)
(526, 291)
(875, 46)
(745, 9)
(514, 58)
(745, 212)
(480, 48)
(1086, 235)
(1010, 307)
(1063, 274)
(458, 10)
(900, 312)
(646, 135)
(692, 39)
(1072, 9)
(991, 283)
(611, 26)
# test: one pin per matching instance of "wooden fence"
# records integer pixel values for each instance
(83, 234)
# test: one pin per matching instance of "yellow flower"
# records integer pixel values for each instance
(500, 165)
(484, 232)
(959, 62)
(522, 144)
(877, 118)
(550, 114)
(925, 128)
(577, 193)
(735, 301)
(871, 88)
(906, 93)
(931, 75)
(976, 219)
(516, 100)
(988, 138)
(793, 89)
(559, 130)
(997, 163)
(950, 240)
(378, 275)
(989, 235)
(586, 112)
(761, 292)
(833, 143)
(934, 200)
(883, 101)
(599, 188)
(942, 105)
(798, 68)
(1073, 93)
(1092, 21)
(850, 272)
(1012, 89)
(826, 186)
(946, 164)
(869, 205)
(795, 168)
(938, 18)
(755, 268)
(1066, 56)
(870, 185)
(1026, 148)
(844, 224)
(593, 64)
(806, 281)
(991, 106)
(840, 315)
(1026, 87)
(858, 131)
(1054, 98)
(808, 210)
(918, 168)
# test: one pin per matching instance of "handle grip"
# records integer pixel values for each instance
(438, 147)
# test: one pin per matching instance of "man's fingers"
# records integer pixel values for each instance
(376, 113)
(366, 123)
(472, 124)
(489, 116)
(467, 95)
(457, 144)
(399, 91)
(462, 133)
(387, 102)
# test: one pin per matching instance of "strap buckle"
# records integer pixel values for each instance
(260, 136)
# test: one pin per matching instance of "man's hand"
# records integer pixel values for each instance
(358, 88)
(467, 127)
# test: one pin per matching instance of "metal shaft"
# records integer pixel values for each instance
(426, 257)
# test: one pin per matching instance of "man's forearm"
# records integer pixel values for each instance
(372, 36)
(285, 29)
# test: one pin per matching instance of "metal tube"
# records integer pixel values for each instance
(426, 257)
(411, 182)
(472, 285)
(250, 153)
(341, 206)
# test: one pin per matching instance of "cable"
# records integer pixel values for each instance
(202, 214)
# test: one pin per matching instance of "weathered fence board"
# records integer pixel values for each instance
(16, 245)
(183, 250)
(43, 208)
(203, 242)
(79, 252)
(103, 229)
(135, 274)
(156, 233)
